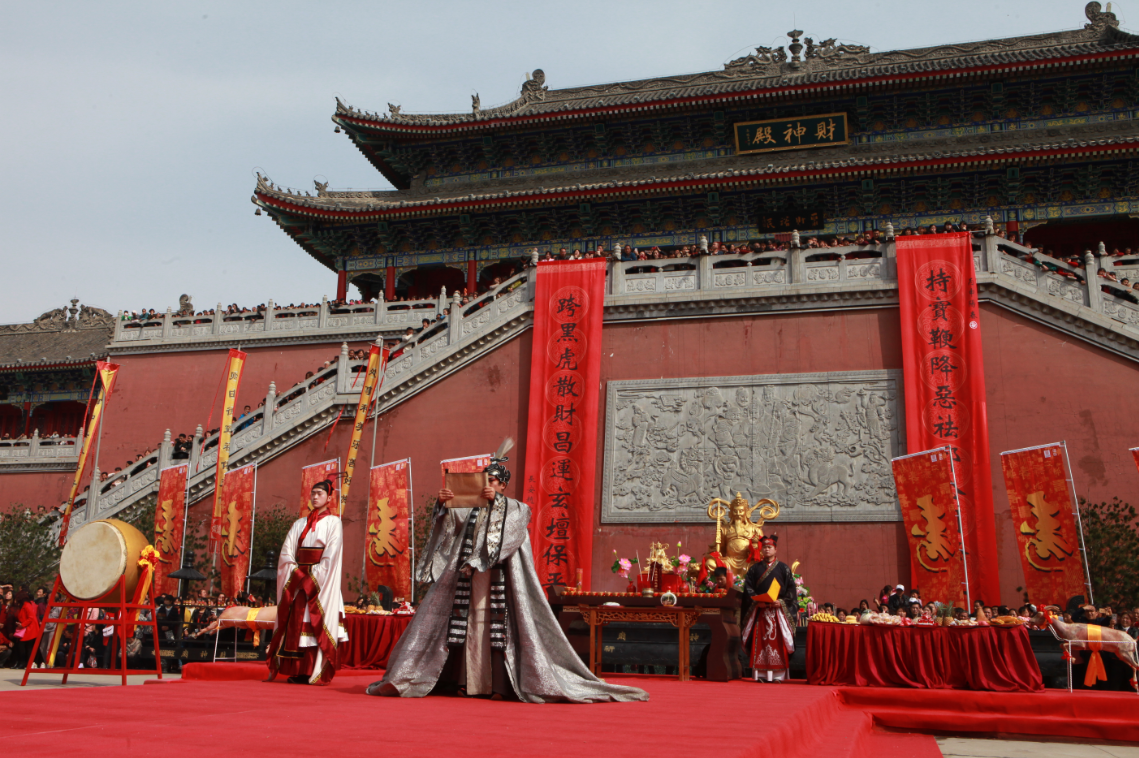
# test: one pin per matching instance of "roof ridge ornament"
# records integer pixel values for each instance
(828, 52)
(1099, 18)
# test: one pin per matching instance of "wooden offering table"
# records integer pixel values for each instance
(720, 612)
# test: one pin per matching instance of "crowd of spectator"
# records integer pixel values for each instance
(23, 440)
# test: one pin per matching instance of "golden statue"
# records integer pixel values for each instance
(738, 534)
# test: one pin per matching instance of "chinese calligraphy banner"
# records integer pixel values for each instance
(237, 528)
(928, 495)
(944, 372)
(232, 382)
(105, 374)
(377, 363)
(387, 559)
(169, 520)
(790, 220)
(791, 133)
(318, 472)
(561, 436)
(1044, 516)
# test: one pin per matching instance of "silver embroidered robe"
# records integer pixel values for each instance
(541, 664)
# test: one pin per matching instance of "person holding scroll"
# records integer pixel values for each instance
(770, 587)
(310, 607)
(485, 627)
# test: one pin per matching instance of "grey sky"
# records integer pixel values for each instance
(130, 132)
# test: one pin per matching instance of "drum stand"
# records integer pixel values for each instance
(120, 623)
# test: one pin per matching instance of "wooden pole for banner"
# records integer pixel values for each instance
(960, 527)
(1079, 521)
(411, 529)
(252, 528)
(185, 520)
(99, 441)
(374, 412)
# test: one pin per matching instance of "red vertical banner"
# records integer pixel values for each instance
(318, 472)
(1044, 516)
(1135, 455)
(945, 382)
(387, 559)
(561, 435)
(169, 521)
(237, 528)
(928, 496)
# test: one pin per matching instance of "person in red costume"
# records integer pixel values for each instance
(310, 607)
(769, 622)
(27, 627)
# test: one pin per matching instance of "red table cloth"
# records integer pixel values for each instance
(964, 658)
(370, 640)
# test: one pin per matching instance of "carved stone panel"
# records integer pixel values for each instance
(818, 444)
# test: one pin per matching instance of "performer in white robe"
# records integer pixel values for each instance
(310, 607)
(486, 628)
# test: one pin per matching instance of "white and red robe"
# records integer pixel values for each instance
(310, 606)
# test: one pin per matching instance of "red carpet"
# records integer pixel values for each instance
(728, 719)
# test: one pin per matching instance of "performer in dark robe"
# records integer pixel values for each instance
(310, 607)
(770, 624)
(485, 627)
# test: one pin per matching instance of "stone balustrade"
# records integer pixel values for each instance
(39, 453)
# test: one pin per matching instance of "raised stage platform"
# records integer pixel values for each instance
(227, 704)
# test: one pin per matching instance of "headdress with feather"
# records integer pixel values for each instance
(496, 469)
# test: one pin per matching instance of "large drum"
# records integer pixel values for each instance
(96, 555)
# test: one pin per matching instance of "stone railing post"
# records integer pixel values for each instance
(34, 444)
(165, 451)
(796, 261)
(380, 309)
(322, 314)
(890, 259)
(441, 304)
(216, 327)
(92, 506)
(342, 371)
(118, 327)
(455, 327)
(167, 323)
(270, 407)
(1091, 269)
(616, 277)
(269, 316)
(704, 267)
(195, 450)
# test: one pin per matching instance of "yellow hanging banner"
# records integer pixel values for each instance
(377, 365)
(104, 382)
(232, 382)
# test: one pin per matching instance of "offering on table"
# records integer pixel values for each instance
(1007, 621)
(881, 619)
(827, 617)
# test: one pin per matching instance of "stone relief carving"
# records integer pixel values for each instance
(818, 444)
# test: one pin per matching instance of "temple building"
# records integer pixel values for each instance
(795, 168)
(1035, 132)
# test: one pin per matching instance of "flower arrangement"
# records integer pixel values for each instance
(803, 592)
(621, 566)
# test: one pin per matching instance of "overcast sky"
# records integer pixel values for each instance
(131, 131)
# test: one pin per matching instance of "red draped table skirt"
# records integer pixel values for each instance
(962, 658)
(370, 640)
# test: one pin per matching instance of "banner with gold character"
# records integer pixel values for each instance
(318, 472)
(373, 378)
(927, 491)
(388, 557)
(1045, 516)
(237, 527)
(169, 521)
(105, 374)
(232, 382)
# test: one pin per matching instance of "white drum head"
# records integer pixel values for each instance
(93, 559)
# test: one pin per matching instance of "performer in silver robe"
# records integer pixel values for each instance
(485, 627)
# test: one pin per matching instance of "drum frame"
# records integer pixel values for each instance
(120, 624)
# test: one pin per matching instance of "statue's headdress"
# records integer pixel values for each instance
(496, 469)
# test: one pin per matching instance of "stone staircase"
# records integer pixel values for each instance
(796, 280)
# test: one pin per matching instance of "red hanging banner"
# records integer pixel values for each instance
(237, 527)
(318, 472)
(561, 436)
(169, 517)
(928, 495)
(1044, 516)
(945, 382)
(1135, 455)
(387, 559)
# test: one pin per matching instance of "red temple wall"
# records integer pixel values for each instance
(1041, 385)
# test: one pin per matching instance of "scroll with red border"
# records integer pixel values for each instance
(1044, 517)
(387, 557)
(169, 521)
(562, 422)
(928, 497)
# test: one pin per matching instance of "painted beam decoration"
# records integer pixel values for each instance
(791, 133)
(819, 444)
